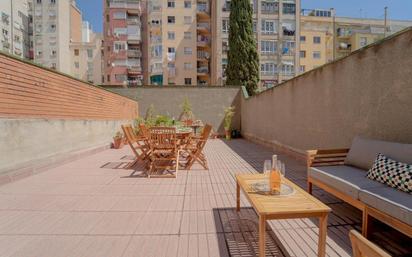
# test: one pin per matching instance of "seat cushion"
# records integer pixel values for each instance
(363, 152)
(346, 179)
(390, 201)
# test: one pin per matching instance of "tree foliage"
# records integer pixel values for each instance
(243, 59)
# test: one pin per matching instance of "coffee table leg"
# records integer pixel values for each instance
(237, 197)
(323, 229)
(262, 234)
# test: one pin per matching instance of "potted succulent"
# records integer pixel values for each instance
(118, 140)
(229, 113)
(187, 115)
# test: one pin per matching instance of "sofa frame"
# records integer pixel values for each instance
(333, 157)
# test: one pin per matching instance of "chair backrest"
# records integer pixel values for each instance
(144, 131)
(363, 248)
(206, 131)
(129, 133)
(163, 137)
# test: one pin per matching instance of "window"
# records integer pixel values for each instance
(269, 7)
(171, 35)
(268, 69)
(188, 4)
(302, 54)
(254, 26)
(268, 27)
(302, 68)
(171, 19)
(288, 47)
(225, 26)
(188, 81)
(316, 40)
(302, 39)
(120, 77)
(108, 78)
(288, 69)
(170, 4)
(289, 8)
(188, 50)
(268, 47)
(52, 1)
(157, 51)
(188, 19)
(5, 33)
(53, 66)
(39, 1)
(171, 50)
(53, 53)
(76, 64)
(188, 35)
(76, 52)
(90, 53)
(119, 15)
(107, 18)
(119, 46)
(363, 41)
(188, 65)
(52, 27)
(316, 55)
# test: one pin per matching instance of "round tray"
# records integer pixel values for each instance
(262, 187)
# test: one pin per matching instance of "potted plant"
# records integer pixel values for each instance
(118, 140)
(187, 115)
(229, 113)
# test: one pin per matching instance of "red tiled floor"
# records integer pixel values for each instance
(91, 207)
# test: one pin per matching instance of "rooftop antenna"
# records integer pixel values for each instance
(385, 22)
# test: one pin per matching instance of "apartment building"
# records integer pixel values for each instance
(179, 36)
(14, 27)
(276, 24)
(86, 56)
(325, 37)
(122, 42)
(55, 23)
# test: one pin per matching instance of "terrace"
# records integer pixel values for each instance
(64, 193)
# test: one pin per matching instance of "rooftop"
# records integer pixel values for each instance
(93, 206)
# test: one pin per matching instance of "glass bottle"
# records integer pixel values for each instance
(275, 176)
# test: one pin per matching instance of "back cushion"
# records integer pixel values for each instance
(363, 152)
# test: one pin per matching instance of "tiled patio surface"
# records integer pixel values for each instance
(95, 207)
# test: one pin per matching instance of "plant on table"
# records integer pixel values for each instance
(229, 113)
(187, 114)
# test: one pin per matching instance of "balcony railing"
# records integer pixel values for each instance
(125, 4)
(172, 72)
(134, 69)
(203, 70)
(171, 57)
(133, 21)
(134, 53)
(203, 26)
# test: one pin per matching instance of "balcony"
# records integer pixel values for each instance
(133, 21)
(171, 57)
(125, 4)
(137, 70)
(172, 72)
(134, 53)
(204, 70)
(133, 39)
(203, 27)
(203, 10)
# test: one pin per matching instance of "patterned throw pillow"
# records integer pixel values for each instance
(392, 173)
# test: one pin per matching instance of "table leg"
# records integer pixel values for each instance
(262, 234)
(323, 229)
(237, 197)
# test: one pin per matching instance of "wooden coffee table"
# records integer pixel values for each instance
(300, 204)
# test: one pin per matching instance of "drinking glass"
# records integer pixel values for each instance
(267, 167)
(282, 169)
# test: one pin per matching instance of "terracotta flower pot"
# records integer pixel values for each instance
(117, 142)
(228, 134)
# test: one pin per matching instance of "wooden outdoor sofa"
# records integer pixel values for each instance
(342, 173)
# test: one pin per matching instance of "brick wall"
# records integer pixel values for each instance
(27, 90)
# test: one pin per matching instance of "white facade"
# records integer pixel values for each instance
(51, 34)
(14, 27)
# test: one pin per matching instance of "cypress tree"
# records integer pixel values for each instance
(243, 60)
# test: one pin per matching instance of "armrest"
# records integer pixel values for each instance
(326, 157)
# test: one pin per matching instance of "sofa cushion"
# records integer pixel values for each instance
(346, 179)
(390, 201)
(363, 152)
(392, 173)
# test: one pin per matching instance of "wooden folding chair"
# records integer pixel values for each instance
(363, 248)
(140, 149)
(164, 155)
(195, 150)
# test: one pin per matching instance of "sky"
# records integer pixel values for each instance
(397, 9)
